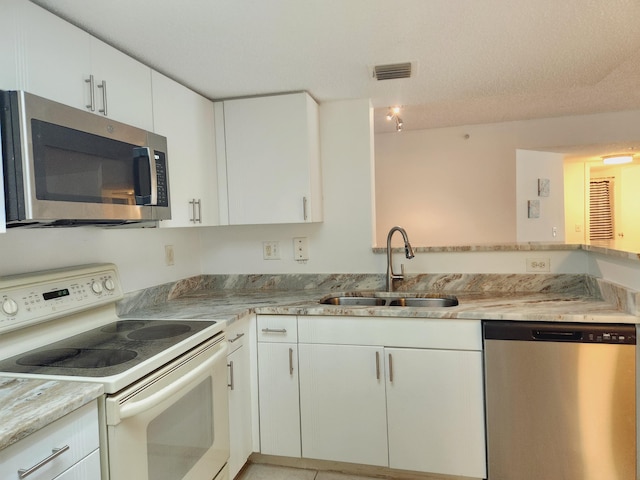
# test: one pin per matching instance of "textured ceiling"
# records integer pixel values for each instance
(475, 61)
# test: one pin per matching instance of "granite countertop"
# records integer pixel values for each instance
(229, 305)
(27, 405)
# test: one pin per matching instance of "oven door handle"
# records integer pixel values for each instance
(130, 409)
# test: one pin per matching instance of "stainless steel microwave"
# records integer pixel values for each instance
(63, 166)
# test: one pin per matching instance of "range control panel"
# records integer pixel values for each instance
(42, 296)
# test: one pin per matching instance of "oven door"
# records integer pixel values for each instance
(174, 423)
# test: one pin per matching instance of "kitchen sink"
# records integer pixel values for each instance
(436, 301)
(353, 300)
(390, 299)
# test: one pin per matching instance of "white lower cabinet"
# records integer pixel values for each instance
(418, 405)
(67, 449)
(342, 398)
(238, 361)
(278, 390)
(435, 411)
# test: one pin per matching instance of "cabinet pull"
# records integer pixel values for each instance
(56, 452)
(377, 365)
(390, 368)
(230, 365)
(92, 95)
(291, 361)
(304, 208)
(199, 217)
(238, 336)
(103, 86)
(192, 202)
(274, 330)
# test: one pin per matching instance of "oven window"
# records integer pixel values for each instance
(181, 434)
(75, 166)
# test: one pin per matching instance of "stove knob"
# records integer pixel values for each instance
(9, 306)
(96, 287)
(109, 285)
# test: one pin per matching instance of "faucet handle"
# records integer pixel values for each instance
(402, 270)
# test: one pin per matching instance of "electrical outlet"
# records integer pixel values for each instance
(538, 265)
(168, 255)
(301, 248)
(271, 250)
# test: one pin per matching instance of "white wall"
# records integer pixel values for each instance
(447, 189)
(138, 253)
(530, 167)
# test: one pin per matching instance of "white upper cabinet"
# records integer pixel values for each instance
(186, 119)
(269, 161)
(122, 86)
(52, 58)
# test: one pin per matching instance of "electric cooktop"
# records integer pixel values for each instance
(105, 351)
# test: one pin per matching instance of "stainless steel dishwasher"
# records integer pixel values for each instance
(561, 401)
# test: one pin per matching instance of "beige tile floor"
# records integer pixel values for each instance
(256, 471)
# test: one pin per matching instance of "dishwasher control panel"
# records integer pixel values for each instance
(566, 332)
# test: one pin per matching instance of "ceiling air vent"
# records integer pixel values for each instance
(392, 71)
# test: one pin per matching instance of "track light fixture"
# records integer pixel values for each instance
(392, 114)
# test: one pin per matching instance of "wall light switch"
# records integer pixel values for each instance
(538, 265)
(271, 250)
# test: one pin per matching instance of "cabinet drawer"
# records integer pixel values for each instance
(277, 328)
(78, 430)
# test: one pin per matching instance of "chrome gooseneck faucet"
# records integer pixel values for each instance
(408, 251)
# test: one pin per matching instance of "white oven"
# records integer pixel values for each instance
(164, 414)
(173, 424)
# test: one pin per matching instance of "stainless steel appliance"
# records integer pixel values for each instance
(64, 166)
(561, 401)
(165, 412)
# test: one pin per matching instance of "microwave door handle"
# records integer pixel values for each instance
(139, 154)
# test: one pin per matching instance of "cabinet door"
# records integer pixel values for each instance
(54, 56)
(272, 159)
(122, 84)
(342, 403)
(279, 399)
(239, 409)
(87, 468)
(435, 411)
(186, 119)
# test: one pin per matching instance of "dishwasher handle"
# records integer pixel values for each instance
(557, 335)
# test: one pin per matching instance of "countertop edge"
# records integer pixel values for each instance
(29, 405)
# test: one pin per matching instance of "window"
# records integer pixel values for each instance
(601, 209)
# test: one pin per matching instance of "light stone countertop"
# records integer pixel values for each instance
(551, 307)
(27, 405)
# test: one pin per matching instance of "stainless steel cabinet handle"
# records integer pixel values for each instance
(92, 95)
(199, 217)
(274, 330)
(103, 86)
(390, 368)
(377, 365)
(291, 361)
(192, 202)
(238, 336)
(56, 452)
(304, 207)
(230, 365)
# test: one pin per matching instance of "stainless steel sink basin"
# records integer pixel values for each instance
(390, 299)
(348, 300)
(443, 301)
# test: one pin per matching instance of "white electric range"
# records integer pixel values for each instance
(164, 414)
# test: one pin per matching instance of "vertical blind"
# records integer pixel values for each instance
(601, 209)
